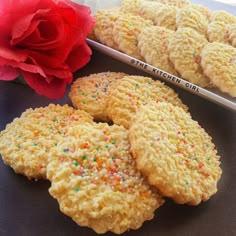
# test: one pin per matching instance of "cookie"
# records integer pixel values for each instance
(176, 3)
(232, 34)
(104, 25)
(152, 42)
(217, 31)
(128, 93)
(203, 10)
(189, 17)
(160, 14)
(89, 93)
(131, 6)
(125, 33)
(223, 16)
(184, 47)
(175, 153)
(25, 143)
(95, 181)
(219, 64)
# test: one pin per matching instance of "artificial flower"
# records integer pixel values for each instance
(44, 41)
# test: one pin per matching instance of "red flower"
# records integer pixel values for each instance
(44, 40)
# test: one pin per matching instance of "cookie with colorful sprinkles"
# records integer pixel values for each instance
(89, 93)
(175, 153)
(160, 14)
(125, 33)
(26, 142)
(190, 17)
(219, 64)
(217, 31)
(153, 45)
(128, 93)
(104, 25)
(95, 181)
(184, 48)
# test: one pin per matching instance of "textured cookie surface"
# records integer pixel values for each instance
(125, 33)
(219, 64)
(176, 3)
(217, 31)
(104, 26)
(131, 6)
(96, 183)
(223, 16)
(190, 17)
(153, 45)
(232, 34)
(128, 93)
(89, 93)
(184, 47)
(160, 14)
(175, 153)
(25, 143)
(203, 10)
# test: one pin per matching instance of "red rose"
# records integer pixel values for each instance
(44, 40)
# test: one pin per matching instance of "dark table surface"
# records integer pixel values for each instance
(27, 209)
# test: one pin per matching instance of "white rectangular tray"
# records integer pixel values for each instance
(209, 94)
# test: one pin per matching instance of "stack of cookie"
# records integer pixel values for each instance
(128, 144)
(181, 38)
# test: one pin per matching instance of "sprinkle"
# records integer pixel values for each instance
(76, 189)
(19, 136)
(84, 102)
(107, 146)
(66, 150)
(113, 142)
(186, 183)
(113, 157)
(19, 146)
(94, 159)
(84, 157)
(201, 165)
(137, 85)
(85, 145)
(75, 163)
(35, 144)
(105, 90)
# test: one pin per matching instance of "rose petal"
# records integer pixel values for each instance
(13, 54)
(54, 90)
(23, 66)
(79, 57)
(43, 30)
(8, 73)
